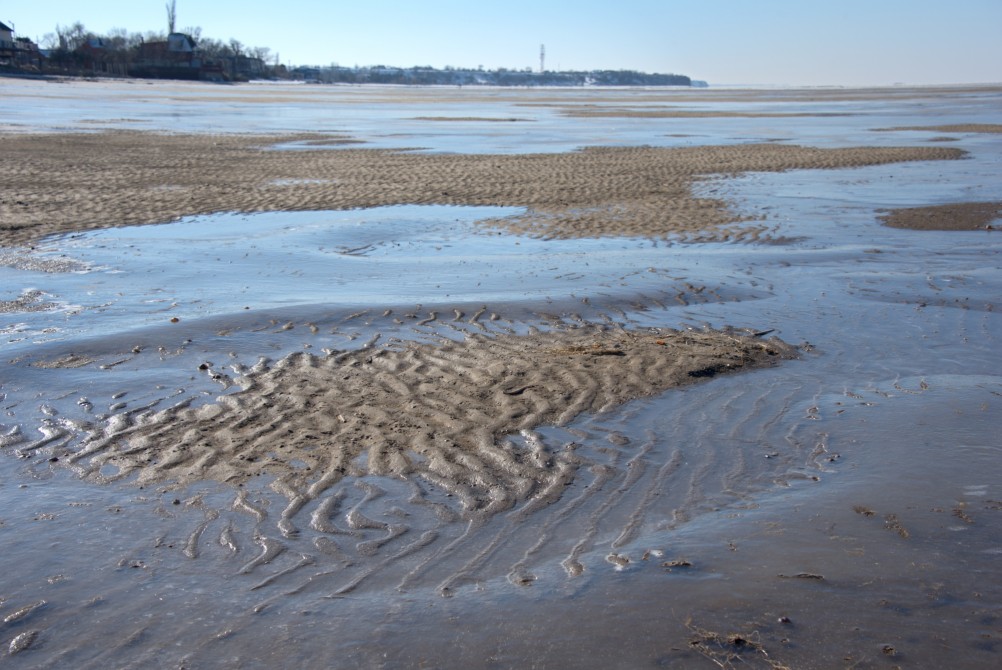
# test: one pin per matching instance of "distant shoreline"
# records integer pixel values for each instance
(727, 87)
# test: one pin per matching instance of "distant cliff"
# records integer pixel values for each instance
(428, 76)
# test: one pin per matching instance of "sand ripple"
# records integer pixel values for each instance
(438, 413)
(75, 182)
(953, 216)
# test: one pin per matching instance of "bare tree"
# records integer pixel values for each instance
(264, 53)
(117, 39)
(71, 37)
(50, 41)
(171, 16)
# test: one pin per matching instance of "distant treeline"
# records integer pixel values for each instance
(429, 76)
(187, 54)
(67, 41)
(75, 50)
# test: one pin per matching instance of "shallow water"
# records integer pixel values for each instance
(839, 510)
(488, 120)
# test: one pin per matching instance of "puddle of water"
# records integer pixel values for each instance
(208, 266)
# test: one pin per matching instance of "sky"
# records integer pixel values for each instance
(724, 42)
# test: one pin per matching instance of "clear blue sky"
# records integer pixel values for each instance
(796, 42)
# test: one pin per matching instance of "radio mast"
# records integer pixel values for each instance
(542, 58)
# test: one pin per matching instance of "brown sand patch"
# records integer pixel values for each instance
(808, 95)
(991, 128)
(954, 216)
(435, 412)
(63, 362)
(199, 92)
(331, 141)
(73, 182)
(511, 119)
(590, 112)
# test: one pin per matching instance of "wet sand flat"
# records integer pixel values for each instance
(751, 427)
(433, 412)
(959, 216)
(136, 178)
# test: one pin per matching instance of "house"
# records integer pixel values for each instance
(177, 51)
(27, 53)
(179, 43)
(246, 67)
(7, 44)
(92, 51)
(175, 58)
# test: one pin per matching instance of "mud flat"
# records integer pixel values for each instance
(434, 412)
(135, 178)
(738, 421)
(954, 216)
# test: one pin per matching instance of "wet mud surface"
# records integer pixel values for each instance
(594, 192)
(960, 216)
(434, 412)
(396, 438)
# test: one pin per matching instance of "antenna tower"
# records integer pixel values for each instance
(542, 58)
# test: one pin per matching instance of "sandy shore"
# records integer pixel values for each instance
(955, 216)
(438, 412)
(75, 182)
(599, 474)
(989, 128)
